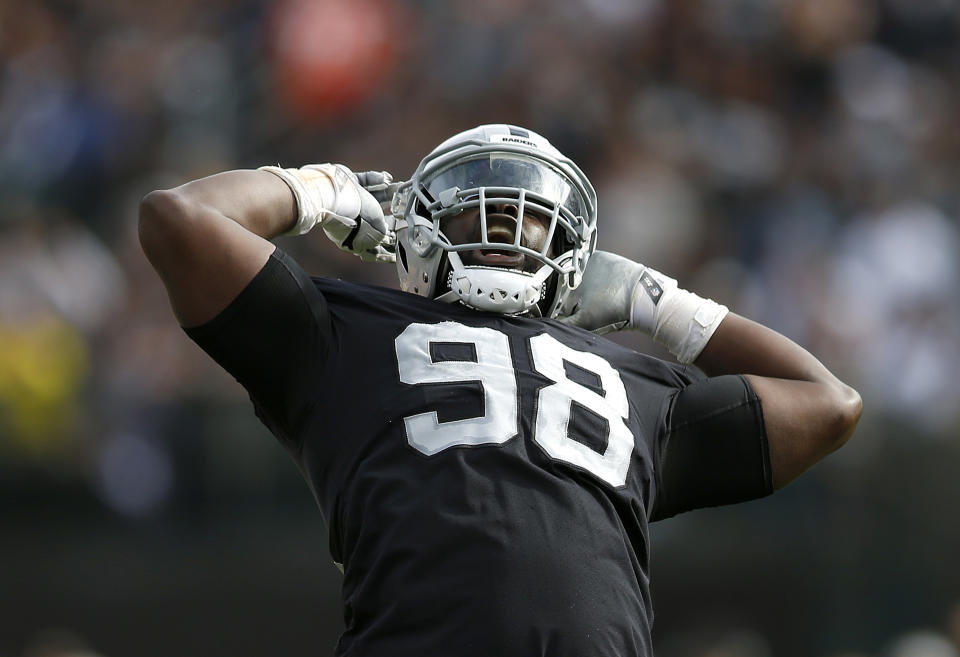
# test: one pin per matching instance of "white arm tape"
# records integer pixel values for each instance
(315, 190)
(676, 318)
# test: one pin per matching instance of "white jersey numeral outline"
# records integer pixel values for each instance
(493, 369)
(555, 407)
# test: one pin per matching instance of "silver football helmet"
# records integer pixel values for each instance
(488, 167)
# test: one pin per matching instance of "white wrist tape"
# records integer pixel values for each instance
(676, 318)
(319, 189)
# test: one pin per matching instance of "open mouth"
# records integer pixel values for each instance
(495, 258)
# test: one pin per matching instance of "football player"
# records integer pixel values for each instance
(486, 464)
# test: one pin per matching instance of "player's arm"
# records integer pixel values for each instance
(208, 238)
(251, 307)
(807, 412)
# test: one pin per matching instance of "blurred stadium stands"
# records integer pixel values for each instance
(796, 159)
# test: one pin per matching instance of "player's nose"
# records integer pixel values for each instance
(501, 222)
(507, 209)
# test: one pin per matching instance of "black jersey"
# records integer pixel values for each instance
(487, 481)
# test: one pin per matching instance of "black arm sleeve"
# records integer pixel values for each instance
(714, 448)
(274, 339)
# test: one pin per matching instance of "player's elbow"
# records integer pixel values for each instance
(797, 442)
(847, 408)
(164, 225)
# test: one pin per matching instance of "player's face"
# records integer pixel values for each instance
(501, 227)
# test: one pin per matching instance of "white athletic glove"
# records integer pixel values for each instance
(336, 198)
(617, 293)
(381, 186)
(602, 301)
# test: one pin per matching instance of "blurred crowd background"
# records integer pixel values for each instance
(795, 159)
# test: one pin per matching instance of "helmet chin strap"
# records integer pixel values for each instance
(493, 289)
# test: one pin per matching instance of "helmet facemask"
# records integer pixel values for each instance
(480, 177)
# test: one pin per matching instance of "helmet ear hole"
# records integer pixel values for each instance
(549, 292)
(418, 207)
(402, 254)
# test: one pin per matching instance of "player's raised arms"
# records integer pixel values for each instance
(487, 464)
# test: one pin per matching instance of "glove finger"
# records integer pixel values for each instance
(609, 328)
(582, 320)
(371, 211)
(380, 254)
(373, 178)
(385, 196)
(380, 185)
(389, 241)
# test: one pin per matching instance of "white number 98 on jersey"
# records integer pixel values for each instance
(486, 358)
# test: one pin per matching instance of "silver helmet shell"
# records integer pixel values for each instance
(486, 166)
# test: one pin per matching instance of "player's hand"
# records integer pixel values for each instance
(608, 298)
(617, 293)
(356, 222)
(351, 216)
(381, 186)
(601, 303)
